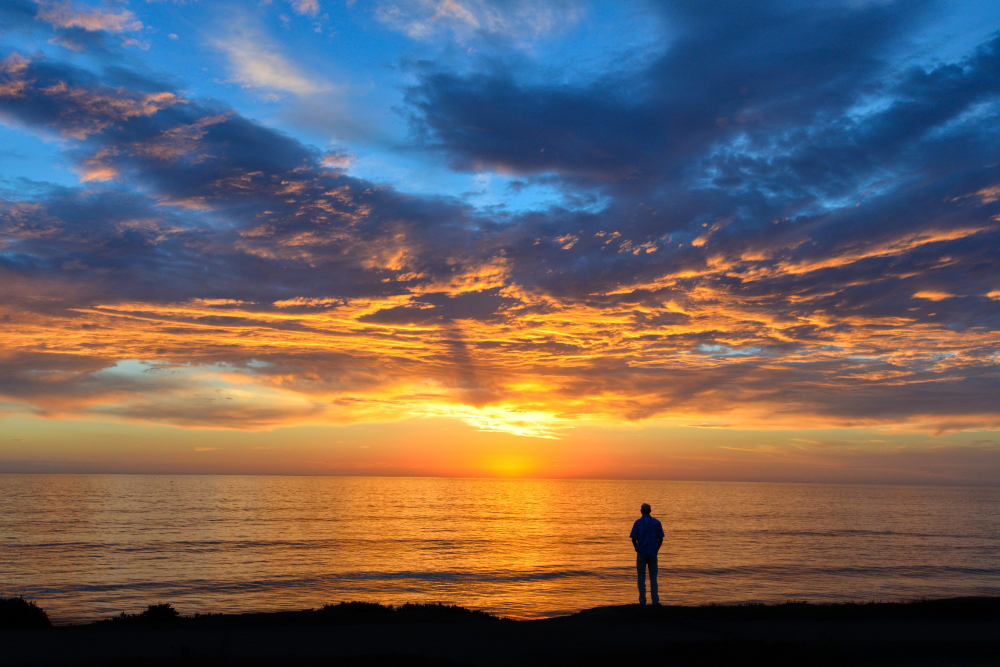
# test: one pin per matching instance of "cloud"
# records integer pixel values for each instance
(257, 62)
(305, 7)
(933, 296)
(699, 107)
(70, 105)
(770, 270)
(519, 20)
(92, 19)
(77, 28)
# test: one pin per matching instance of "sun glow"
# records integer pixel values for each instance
(503, 419)
(510, 466)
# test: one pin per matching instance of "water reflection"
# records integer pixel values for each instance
(90, 546)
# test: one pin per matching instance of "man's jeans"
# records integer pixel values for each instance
(641, 562)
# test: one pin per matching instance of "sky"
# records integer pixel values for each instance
(689, 239)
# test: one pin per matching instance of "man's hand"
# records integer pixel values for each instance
(658, 544)
(635, 544)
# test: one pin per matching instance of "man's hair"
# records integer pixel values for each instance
(645, 508)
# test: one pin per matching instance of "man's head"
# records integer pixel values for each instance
(645, 508)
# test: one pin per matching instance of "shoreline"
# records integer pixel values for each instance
(955, 631)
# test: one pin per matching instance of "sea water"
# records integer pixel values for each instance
(86, 547)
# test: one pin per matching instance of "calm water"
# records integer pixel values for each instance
(90, 546)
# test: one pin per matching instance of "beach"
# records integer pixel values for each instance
(961, 631)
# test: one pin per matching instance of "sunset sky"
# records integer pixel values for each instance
(688, 239)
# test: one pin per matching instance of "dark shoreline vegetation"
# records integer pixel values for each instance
(955, 631)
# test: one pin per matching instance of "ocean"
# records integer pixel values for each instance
(86, 547)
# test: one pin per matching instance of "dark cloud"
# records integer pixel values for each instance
(732, 70)
(262, 212)
(78, 39)
(16, 14)
(766, 130)
(98, 32)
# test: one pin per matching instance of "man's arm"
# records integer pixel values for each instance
(659, 543)
(635, 544)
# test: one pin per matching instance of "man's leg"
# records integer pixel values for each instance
(640, 566)
(654, 589)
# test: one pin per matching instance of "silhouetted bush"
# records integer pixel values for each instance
(159, 613)
(367, 612)
(155, 614)
(444, 612)
(21, 613)
(357, 608)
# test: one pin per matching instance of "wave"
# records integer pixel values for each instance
(325, 581)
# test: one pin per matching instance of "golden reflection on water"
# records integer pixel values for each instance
(90, 546)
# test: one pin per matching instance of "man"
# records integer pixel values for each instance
(647, 538)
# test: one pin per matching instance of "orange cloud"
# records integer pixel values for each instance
(932, 295)
(543, 368)
(92, 19)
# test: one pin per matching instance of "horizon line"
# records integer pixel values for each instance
(953, 484)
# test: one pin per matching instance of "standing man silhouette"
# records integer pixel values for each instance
(647, 538)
